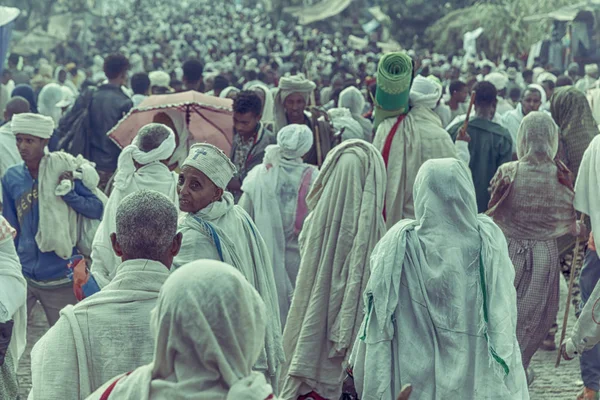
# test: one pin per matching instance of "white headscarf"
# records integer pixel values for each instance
(13, 291)
(49, 97)
(209, 324)
(227, 91)
(537, 140)
(425, 92)
(267, 114)
(181, 130)
(352, 99)
(126, 167)
(342, 119)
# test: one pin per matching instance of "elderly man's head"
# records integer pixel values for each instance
(151, 136)
(147, 228)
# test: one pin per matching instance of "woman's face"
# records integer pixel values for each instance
(531, 102)
(195, 190)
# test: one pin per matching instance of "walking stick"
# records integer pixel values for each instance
(568, 305)
(466, 123)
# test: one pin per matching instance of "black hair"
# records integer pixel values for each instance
(115, 65)
(456, 86)
(140, 83)
(548, 84)
(220, 83)
(247, 101)
(527, 73)
(192, 71)
(563, 80)
(485, 94)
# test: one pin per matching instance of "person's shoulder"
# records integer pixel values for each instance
(14, 173)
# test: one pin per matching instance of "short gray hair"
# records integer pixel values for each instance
(146, 225)
(151, 136)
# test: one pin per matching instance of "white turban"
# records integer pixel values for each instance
(499, 80)
(159, 79)
(591, 69)
(294, 141)
(32, 124)
(352, 99)
(211, 161)
(546, 76)
(131, 153)
(425, 92)
(342, 121)
(287, 86)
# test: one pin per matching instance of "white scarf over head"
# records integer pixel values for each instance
(267, 113)
(13, 291)
(425, 92)
(345, 223)
(183, 136)
(49, 97)
(342, 119)
(281, 161)
(430, 280)
(287, 86)
(209, 326)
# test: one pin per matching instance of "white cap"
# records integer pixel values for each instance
(498, 79)
(159, 79)
(32, 124)
(591, 69)
(211, 161)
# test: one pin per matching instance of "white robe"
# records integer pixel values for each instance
(104, 335)
(419, 138)
(8, 150)
(154, 176)
(225, 232)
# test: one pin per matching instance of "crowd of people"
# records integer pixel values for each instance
(380, 219)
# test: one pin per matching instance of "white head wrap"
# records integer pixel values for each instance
(211, 161)
(498, 79)
(425, 92)
(50, 96)
(352, 99)
(342, 119)
(267, 113)
(202, 310)
(537, 140)
(227, 91)
(287, 86)
(546, 76)
(159, 79)
(131, 153)
(32, 124)
(293, 142)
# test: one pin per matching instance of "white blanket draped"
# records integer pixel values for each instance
(103, 336)
(225, 226)
(345, 223)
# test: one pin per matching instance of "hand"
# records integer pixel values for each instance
(67, 175)
(80, 273)
(349, 388)
(405, 393)
(463, 135)
(563, 351)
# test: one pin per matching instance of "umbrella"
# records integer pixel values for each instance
(208, 119)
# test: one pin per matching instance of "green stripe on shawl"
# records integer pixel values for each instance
(394, 77)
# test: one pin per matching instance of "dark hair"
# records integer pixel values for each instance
(485, 94)
(563, 80)
(515, 93)
(247, 101)
(456, 86)
(527, 73)
(115, 65)
(140, 83)
(192, 71)
(548, 84)
(220, 83)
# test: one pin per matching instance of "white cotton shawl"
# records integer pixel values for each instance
(587, 186)
(209, 328)
(13, 292)
(154, 175)
(103, 336)
(270, 186)
(268, 109)
(183, 138)
(345, 223)
(58, 227)
(425, 322)
(512, 121)
(425, 92)
(420, 137)
(241, 246)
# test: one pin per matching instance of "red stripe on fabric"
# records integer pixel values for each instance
(387, 146)
(109, 389)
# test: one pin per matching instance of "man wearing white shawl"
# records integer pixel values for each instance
(441, 305)
(344, 224)
(407, 142)
(109, 333)
(275, 197)
(211, 358)
(213, 227)
(13, 312)
(291, 98)
(142, 165)
(533, 98)
(352, 99)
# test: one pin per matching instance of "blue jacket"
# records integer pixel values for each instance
(21, 210)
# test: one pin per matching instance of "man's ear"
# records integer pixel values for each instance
(218, 194)
(115, 245)
(176, 246)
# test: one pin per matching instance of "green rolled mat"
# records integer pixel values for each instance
(394, 77)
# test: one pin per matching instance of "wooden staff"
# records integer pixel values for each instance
(466, 123)
(318, 143)
(571, 281)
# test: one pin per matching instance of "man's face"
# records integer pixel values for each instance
(245, 124)
(195, 190)
(485, 71)
(531, 102)
(294, 105)
(62, 76)
(462, 94)
(30, 147)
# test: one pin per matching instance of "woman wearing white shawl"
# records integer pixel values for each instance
(214, 227)
(140, 166)
(13, 294)
(441, 305)
(175, 120)
(49, 97)
(267, 98)
(533, 98)
(352, 99)
(275, 196)
(209, 326)
(344, 224)
(343, 122)
(425, 92)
